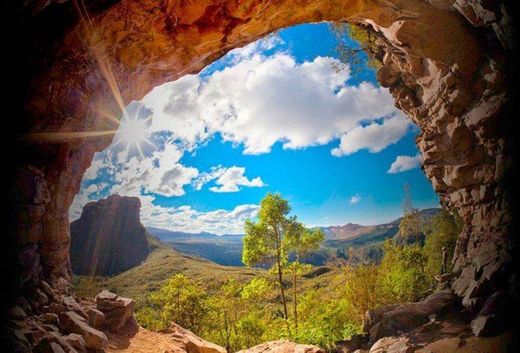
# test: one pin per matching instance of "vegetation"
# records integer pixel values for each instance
(357, 45)
(242, 307)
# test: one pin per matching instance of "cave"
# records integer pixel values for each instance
(448, 64)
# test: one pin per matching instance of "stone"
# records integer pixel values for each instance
(406, 317)
(117, 310)
(281, 346)
(192, 343)
(115, 223)
(388, 75)
(72, 305)
(96, 318)
(76, 341)
(392, 345)
(17, 313)
(70, 322)
(492, 319)
(50, 318)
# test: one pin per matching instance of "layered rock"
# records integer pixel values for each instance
(108, 238)
(64, 324)
(283, 346)
(447, 76)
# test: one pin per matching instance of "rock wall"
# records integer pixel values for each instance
(446, 63)
(108, 238)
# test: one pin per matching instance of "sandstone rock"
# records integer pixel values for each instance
(392, 345)
(96, 318)
(388, 75)
(17, 313)
(114, 223)
(77, 341)
(70, 322)
(283, 346)
(72, 305)
(194, 344)
(355, 343)
(50, 318)
(492, 319)
(117, 310)
(403, 318)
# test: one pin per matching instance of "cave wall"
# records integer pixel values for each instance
(444, 61)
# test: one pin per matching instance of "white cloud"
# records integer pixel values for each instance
(227, 179)
(374, 137)
(187, 219)
(355, 199)
(404, 163)
(263, 100)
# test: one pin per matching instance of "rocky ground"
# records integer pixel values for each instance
(50, 322)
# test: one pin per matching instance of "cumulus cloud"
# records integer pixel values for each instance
(228, 179)
(187, 219)
(404, 163)
(255, 101)
(354, 199)
(263, 100)
(374, 137)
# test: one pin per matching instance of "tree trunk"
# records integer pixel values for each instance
(295, 299)
(280, 280)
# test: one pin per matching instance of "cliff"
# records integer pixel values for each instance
(108, 238)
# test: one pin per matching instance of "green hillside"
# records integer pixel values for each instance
(162, 263)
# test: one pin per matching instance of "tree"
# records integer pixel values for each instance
(267, 239)
(410, 227)
(301, 242)
(443, 232)
(183, 301)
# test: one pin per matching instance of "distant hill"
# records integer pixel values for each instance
(108, 238)
(161, 263)
(227, 249)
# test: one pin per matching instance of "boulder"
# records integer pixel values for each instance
(403, 318)
(116, 310)
(491, 320)
(283, 346)
(96, 318)
(72, 305)
(392, 345)
(191, 343)
(77, 341)
(70, 322)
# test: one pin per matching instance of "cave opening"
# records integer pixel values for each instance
(453, 85)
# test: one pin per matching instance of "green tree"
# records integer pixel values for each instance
(411, 225)
(183, 301)
(301, 242)
(443, 232)
(403, 272)
(267, 239)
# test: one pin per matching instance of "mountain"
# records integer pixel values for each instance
(227, 249)
(162, 263)
(223, 249)
(108, 238)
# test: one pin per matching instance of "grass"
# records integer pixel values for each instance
(162, 263)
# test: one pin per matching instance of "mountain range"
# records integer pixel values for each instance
(227, 249)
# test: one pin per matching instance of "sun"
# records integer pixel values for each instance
(133, 132)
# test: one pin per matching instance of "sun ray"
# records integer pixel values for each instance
(64, 136)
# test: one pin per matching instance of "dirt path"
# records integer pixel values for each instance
(140, 340)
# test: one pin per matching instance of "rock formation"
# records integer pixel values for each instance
(449, 64)
(283, 346)
(108, 238)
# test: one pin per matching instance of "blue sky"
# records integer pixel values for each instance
(280, 115)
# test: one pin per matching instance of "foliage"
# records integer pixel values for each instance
(442, 232)
(411, 225)
(180, 300)
(403, 272)
(273, 236)
(360, 53)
